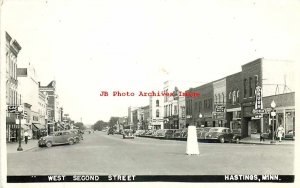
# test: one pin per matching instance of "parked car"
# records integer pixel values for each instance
(76, 135)
(128, 133)
(177, 133)
(149, 133)
(139, 132)
(184, 133)
(161, 133)
(199, 131)
(111, 131)
(204, 132)
(169, 133)
(290, 135)
(222, 134)
(56, 138)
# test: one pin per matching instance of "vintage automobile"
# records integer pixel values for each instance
(111, 131)
(77, 135)
(184, 133)
(57, 138)
(290, 135)
(127, 133)
(222, 134)
(169, 133)
(177, 133)
(199, 131)
(138, 132)
(161, 133)
(203, 133)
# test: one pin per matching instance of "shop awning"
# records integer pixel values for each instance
(39, 126)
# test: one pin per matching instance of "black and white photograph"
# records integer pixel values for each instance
(162, 92)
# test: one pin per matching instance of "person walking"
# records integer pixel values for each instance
(26, 137)
(280, 132)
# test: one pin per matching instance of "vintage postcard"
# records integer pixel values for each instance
(138, 92)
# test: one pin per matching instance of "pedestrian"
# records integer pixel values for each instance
(26, 137)
(280, 132)
(262, 138)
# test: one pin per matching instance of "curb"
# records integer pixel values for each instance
(262, 143)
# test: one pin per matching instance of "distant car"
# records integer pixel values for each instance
(169, 133)
(128, 133)
(111, 131)
(177, 133)
(161, 133)
(57, 138)
(222, 134)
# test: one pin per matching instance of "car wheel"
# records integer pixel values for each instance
(77, 140)
(222, 140)
(49, 144)
(237, 140)
(71, 141)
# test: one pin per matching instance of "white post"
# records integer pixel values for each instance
(192, 142)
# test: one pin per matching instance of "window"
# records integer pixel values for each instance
(175, 110)
(216, 98)
(157, 103)
(250, 87)
(223, 98)
(229, 96)
(195, 106)
(245, 88)
(157, 113)
(256, 81)
(219, 96)
(200, 106)
(233, 97)
(238, 96)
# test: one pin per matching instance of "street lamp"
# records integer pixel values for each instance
(273, 114)
(20, 111)
(200, 116)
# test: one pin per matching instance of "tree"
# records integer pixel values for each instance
(100, 125)
(80, 125)
(113, 121)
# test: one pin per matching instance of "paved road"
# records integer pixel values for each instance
(101, 154)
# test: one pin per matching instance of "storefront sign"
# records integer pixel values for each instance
(258, 110)
(220, 108)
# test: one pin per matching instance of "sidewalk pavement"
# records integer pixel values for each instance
(249, 140)
(11, 147)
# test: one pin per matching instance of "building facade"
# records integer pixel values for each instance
(13, 96)
(156, 112)
(53, 112)
(274, 77)
(199, 110)
(219, 109)
(173, 107)
(233, 104)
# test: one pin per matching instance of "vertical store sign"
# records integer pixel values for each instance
(258, 103)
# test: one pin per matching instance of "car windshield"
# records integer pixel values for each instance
(215, 130)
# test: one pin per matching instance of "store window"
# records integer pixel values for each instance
(289, 122)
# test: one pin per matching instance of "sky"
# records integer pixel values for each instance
(113, 45)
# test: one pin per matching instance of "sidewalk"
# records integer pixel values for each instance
(11, 147)
(249, 140)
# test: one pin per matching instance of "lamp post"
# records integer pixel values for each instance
(200, 116)
(273, 114)
(20, 111)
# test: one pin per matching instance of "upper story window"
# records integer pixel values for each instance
(250, 87)
(219, 96)
(157, 103)
(157, 113)
(238, 96)
(229, 96)
(245, 88)
(233, 97)
(223, 98)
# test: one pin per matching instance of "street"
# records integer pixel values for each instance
(102, 154)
